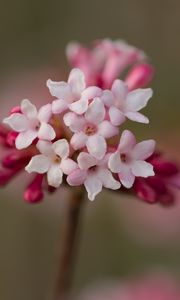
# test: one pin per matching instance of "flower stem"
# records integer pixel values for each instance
(69, 244)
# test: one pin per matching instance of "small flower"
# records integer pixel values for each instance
(72, 94)
(31, 124)
(123, 104)
(91, 130)
(129, 159)
(53, 160)
(94, 174)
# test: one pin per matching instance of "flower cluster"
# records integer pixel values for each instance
(77, 138)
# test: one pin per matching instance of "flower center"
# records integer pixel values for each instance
(123, 157)
(93, 168)
(90, 129)
(57, 159)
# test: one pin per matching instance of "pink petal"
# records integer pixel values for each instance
(68, 166)
(77, 81)
(91, 92)
(107, 98)
(77, 177)
(25, 139)
(59, 106)
(85, 161)
(120, 90)
(127, 141)
(54, 176)
(143, 150)
(95, 112)
(28, 109)
(93, 186)
(114, 163)
(61, 148)
(138, 99)
(142, 169)
(18, 122)
(79, 107)
(127, 178)
(60, 90)
(108, 180)
(76, 123)
(107, 130)
(137, 117)
(96, 146)
(78, 140)
(116, 116)
(45, 147)
(39, 164)
(45, 113)
(46, 132)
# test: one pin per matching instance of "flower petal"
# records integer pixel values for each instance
(77, 81)
(93, 186)
(114, 163)
(78, 140)
(54, 176)
(60, 90)
(61, 148)
(120, 90)
(28, 109)
(68, 165)
(85, 161)
(39, 164)
(25, 139)
(58, 106)
(137, 117)
(46, 132)
(79, 107)
(45, 113)
(142, 169)
(127, 178)
(74, 122)
(18, 122)
(107, 98)
(96, 146)
(116, 116)
(143, 150)
(77, 177)
(95, 112)
(108, 180)
(107, 130)
(91, 92)
(138, 99)
(45, 147)
(127, 141)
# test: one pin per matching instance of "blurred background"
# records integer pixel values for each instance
(121, 237)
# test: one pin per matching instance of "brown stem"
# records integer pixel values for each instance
(70, 235)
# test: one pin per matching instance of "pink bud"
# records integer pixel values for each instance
(16, 159)
(7, 174)
(11, 138)
(33, 192)
(144, 191)
(16, 109)
(139, 76)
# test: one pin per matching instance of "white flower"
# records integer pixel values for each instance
(53, 160)
(73, 94)
(31, 124)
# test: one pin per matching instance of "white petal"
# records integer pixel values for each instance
(108, 180)
(96, 112)
(45, 147)
(78, 140)
(77, 177)
(45, 113)
(61, 148)
(25, 139)
(96, 146)
(77, 81)
(58, 106)
(76, 123)
(79, 107)
(127, 141)
(68, 165)
(93, 186)
(116, 116)
(28, 109)
(114, 163)
(91, 92)
(46, 132)
(107, 98)
(18, 122)
(142, 169)
(107, 130)
(143, 150)
(39, 164)
(85, 161)
(60, 90)
(120, 90)
(54, 176)
(138, 99)
(127, 178)
(137, 117)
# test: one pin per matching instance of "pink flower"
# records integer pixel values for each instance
(94, 174)
(73, 94)
(31, 124)
(91, 130)
(53, 160)
(123, 104)
(129, 159)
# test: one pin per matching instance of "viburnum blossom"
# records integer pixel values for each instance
(73, 140)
